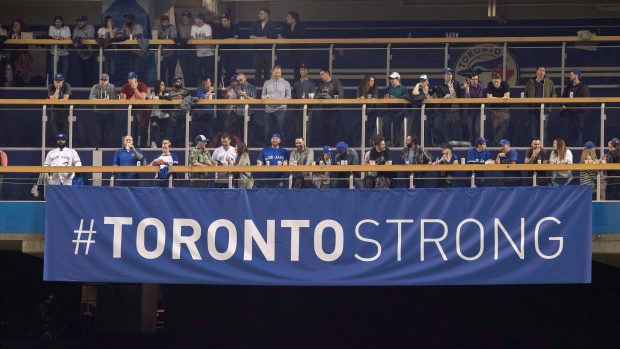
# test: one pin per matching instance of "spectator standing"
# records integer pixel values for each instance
(473, 89)
(303, 88)
(205, 54)
(62, 156)
(108, 32)
(262, 29)
(329, 118)
(199, 157)
(229, 53)
(368, 90)
(59, 31)
(177, 120)
(59, 90)
(539, 86)
(613, 176)
(203, 118)
(395, 113)
(295, 30)
(500, 115)
(21, 59)
(165, 160)
(86, 55)
(275, 115)
(186, 54)
(537, 155)
(135, 31)
(574, 113)
(160, 114)
(301, 156)
(137, 90)
(447, 124)
(244, 90)
(128, 156)
(245, 179)
(167, 31)
(273, 155)
(104, 117)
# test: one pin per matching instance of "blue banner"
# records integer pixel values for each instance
(460, 236)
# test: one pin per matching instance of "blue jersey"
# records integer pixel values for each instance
(124, 157)
(272, 156)
(476, 157)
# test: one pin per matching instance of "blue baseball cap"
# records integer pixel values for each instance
(201, 138)
(175, 79)
(82, 18)
(62, 135)
(577, 72)
(276, 135)
(201, 16)
(233, 79)
(132, 75)
(59, 77)
(504, 142)
(327, 150)
(479, 140)
(341, 146)
(447, 70)
(186, 14)
(590, 145)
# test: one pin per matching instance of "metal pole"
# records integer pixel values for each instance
(246, 123)
(563, 67)
(158, 65)
(543, 118)
(411, 185)
(473, 179)
(331, 57)
(305, 122)
(290, 180)
(598, 185)
(43, 123)
(422, 119)
(71, 121)
(602, 131)
(129, 119)
(534, 180)
(364, 121)
(351, 185)
(482, 120)
(188, 118)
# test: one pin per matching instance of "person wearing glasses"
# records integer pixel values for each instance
(473, 89)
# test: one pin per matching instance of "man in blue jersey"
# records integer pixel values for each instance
(127, 156)
(509, 156)
(273, 156)
(479, 154)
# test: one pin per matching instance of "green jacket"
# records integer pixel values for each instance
(548, 92)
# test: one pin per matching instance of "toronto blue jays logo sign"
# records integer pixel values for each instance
(484, 60)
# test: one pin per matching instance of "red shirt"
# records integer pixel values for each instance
(128, 91)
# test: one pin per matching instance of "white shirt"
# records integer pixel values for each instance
(220, 154)
(568, 159)
(202, 32)
(65, 157)
(65, 32)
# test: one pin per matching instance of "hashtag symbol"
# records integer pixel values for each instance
(86, 241)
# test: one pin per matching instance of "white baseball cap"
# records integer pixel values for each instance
(394, 75)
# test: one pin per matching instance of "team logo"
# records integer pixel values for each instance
(486, 59)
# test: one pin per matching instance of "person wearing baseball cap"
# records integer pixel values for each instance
(62, 156)
(394, 118)
(83, 30)
(200, 157)
(446, 123)
(229, 55)
(167, 31)
(478, 155)
(104, 118)
(136, 90)
(321, 179)
(344, 153)
(59, 90)
(421, 89)
(273, 155)
(59, 31)
(573, 113)
(509, 156)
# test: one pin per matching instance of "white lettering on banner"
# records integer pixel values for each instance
(357, 233)
(399, 243)
(520, 252)
(161, 238)
(118, 223)
(190, 241)
(458, 239)
(232, 239)
(267, 243)
(318, 240)
(437, 240)
(251, 233)
(295, 225)
(560, 239)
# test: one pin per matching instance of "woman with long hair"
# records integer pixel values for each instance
(446, 158)
(560, 155)
(244, 179)
(108, 32)
(20, 59)
(368, 90)
(159, 114)
(588, 177)
(613, 176)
